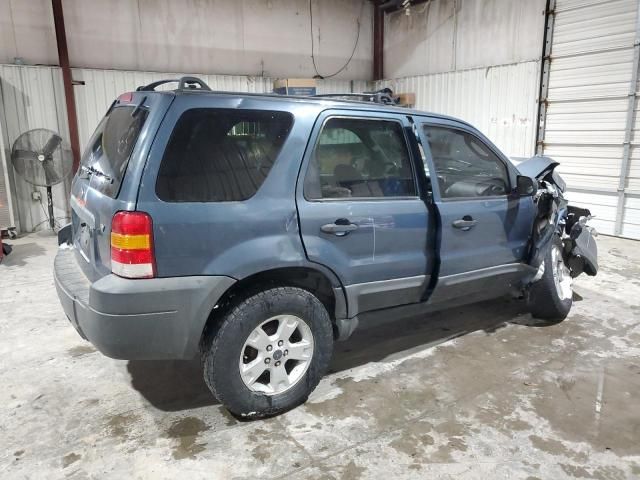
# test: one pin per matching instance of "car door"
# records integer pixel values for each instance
(360, 210)
(485, 226)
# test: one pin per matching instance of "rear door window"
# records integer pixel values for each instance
(360, 158)
(221, 155)
(107, 154)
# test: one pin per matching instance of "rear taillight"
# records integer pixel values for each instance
(132, 245)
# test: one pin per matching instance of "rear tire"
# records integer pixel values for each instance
(551, 297)
(249, 362)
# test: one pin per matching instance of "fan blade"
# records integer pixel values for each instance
(51, 145)
(50, 171)
(24, 156)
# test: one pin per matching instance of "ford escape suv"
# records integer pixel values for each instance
(256, 230)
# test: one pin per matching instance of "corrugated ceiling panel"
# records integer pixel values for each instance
(499, 101)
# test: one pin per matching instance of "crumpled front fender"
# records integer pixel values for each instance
(581, 250)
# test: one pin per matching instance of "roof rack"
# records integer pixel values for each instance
(384, 96)
(184, 83)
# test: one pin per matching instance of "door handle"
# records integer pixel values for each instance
(465, 223)
(340, 228)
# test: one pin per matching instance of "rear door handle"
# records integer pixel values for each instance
(465, 223)
(340, 228)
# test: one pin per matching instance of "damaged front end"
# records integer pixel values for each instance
(556, 217)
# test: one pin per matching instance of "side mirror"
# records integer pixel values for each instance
(526, 186)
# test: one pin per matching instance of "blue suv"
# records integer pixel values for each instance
(256, 230)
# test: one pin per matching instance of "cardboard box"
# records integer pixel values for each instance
(295, 86)
(406, 99)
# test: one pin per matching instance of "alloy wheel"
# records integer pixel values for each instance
(276, 355)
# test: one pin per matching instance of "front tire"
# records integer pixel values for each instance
(551, 297)
(269, 352)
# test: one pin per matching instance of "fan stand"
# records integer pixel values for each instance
(52, 220)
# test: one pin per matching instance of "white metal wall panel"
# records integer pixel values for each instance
(342, 86)
(602, 205)
(6, 204)
(592, 60)
(500, 101)
(31, 98)
(631, 220)
(593, 26)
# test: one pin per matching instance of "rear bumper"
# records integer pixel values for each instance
(150, 319)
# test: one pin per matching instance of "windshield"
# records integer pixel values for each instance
(107, 154)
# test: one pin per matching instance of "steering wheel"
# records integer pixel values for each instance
(493, 187)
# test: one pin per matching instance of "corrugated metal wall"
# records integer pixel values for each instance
(500, 101)
(33, 97)
(592, 112)
(6, 202)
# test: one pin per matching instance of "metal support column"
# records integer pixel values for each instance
(63, 59)
(378, 42)
(544, 74)
(626, 151)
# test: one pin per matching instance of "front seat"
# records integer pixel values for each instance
(346, 175)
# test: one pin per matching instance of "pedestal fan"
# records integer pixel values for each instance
(42, 158)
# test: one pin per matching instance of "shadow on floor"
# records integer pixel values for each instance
(378, 342)
(178, 385)
(171, 385)
(20, 253)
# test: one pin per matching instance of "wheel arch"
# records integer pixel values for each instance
(323, 284)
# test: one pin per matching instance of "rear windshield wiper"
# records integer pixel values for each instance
(95, 171)
(138, 107)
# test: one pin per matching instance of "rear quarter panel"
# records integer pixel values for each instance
(96, 209)
(236, 239)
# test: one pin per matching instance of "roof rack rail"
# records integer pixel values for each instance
(384, 96)
(184, 83)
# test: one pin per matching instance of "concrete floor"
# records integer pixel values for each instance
(474, 393)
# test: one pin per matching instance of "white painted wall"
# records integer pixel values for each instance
(242, 37)
(453, 35)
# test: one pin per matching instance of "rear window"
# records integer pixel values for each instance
(221, 155)
(107, 154)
